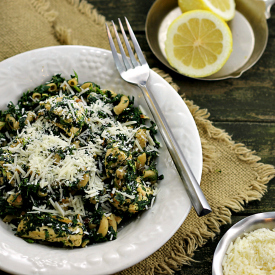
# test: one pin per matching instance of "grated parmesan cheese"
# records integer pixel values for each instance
(61, 161)
(252, 254)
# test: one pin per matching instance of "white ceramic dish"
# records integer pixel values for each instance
(145, 235)
(246, 225)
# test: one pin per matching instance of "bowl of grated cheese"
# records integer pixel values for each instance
(248, 247)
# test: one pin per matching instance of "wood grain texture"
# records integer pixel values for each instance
(244, 107)
(135, 10)
(248, 98)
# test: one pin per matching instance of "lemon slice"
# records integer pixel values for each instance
(224, 8)
(198, 43)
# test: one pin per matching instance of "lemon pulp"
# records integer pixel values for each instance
(198, 43)
(224, 8)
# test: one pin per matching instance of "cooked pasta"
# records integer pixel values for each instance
(75, 161)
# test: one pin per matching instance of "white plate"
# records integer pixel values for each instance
(145, 235)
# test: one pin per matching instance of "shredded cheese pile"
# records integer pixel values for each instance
(39, 141)
(252, 254)
(75, 156)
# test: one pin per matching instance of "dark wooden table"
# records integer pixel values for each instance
(244, 107)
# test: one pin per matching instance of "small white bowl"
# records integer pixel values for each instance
(249, 224)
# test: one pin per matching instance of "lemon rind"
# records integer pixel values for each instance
(209, 69)
(207, 5)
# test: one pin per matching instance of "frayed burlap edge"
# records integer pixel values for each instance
(64, 35)
(44, 9)
(183, 252)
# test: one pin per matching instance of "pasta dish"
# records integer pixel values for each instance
(75, 161)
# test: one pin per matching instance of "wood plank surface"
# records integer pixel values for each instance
(244, 107)
(249, 98)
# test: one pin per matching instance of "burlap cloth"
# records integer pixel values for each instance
(230, 167)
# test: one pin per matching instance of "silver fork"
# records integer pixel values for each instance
(137, 73)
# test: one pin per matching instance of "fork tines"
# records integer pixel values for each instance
(139, 53)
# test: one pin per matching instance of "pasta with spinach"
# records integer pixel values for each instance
(75, 161)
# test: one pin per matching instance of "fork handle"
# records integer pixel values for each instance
(192, 187)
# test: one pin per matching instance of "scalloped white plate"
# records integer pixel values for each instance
(156, 226)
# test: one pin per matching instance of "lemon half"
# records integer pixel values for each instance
(198, 43)
(224, 8)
